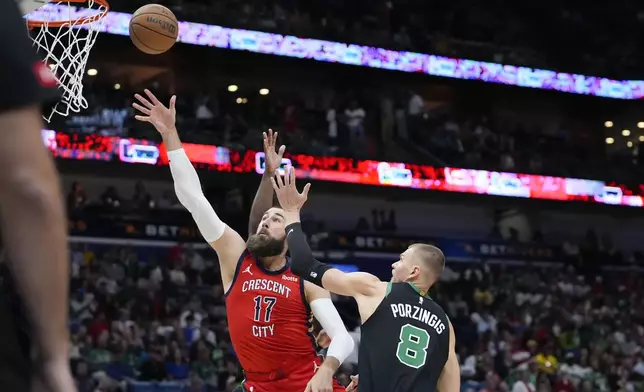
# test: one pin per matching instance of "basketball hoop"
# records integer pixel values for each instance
(64, 35)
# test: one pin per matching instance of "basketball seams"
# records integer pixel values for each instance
(152, 30)
(170, 19)
(140, 42)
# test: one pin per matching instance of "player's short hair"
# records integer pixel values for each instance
(431, 256)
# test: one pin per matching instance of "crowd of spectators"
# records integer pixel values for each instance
(311, 120)
(403, 129)
(491, 143)
(531, 329)
(158, 315)
(148, 315)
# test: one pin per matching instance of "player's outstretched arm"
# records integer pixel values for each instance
(324, 311)
(264, 196)
(450, 379)
(227, 243)
(303, 263)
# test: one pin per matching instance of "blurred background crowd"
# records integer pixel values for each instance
(543, 296)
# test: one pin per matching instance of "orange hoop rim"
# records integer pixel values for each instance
(86, 19)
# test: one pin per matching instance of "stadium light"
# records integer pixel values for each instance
(626, 132)
(92, 72)
(641, 138)
(232, 88)
(264, 91)
(608, 124)
(117, 86)
(640, 124)
(629, 144)
(610, 140)
(244, 100)
(238, 100)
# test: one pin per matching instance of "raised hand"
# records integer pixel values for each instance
(290, 199)
(163, 118)
(273, 156)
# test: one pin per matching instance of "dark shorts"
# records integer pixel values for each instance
(24, 79)
(15, 362)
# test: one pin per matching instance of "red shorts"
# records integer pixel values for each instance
(293, 382)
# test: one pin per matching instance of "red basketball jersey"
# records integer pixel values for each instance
(269, 321)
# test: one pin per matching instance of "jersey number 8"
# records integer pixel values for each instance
(412, 347)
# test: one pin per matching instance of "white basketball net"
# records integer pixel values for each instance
(66, 49)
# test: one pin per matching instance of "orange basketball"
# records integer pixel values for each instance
(153, 29)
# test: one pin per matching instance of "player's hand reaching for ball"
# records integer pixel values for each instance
(154, 112)
(273, 156)
(290, 199)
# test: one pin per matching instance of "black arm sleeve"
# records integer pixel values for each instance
(303, 264)
(24, 78)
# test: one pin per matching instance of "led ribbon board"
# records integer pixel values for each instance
(366, 56)
(347, 170)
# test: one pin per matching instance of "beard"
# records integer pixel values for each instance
(263, 245)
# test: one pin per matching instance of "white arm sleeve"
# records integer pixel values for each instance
(341, 342)
(190, 195)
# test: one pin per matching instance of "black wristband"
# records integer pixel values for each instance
(303, 263)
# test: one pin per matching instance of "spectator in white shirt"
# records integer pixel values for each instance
(416, 105)
(574, 371)
(331, 118)
(523, 384)
(355, 121)
(203, 112)
(196, 261)
(468, 366)
(82, 306)
(415, 110)
(177, 276)
(484, 322)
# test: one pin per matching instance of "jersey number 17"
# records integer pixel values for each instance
(269, 303)
(412, 346)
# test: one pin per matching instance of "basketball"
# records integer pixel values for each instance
(153, 29)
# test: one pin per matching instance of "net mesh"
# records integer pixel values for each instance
(64, 34)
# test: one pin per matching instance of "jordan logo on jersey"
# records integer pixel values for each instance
(247, 270)
(420, 300)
